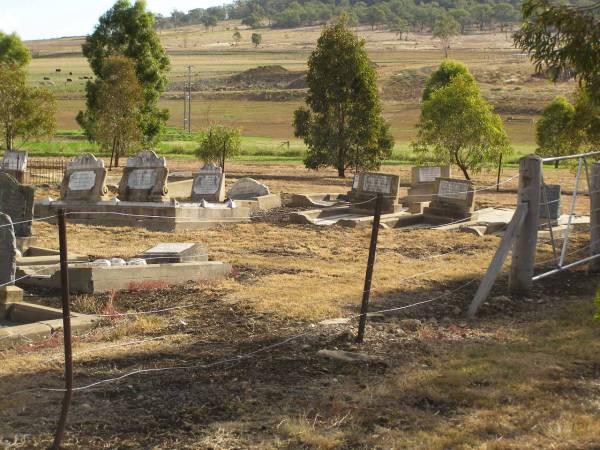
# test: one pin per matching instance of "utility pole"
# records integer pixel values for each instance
(189, 108)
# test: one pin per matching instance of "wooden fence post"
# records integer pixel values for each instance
(523, 255)
(595, 216)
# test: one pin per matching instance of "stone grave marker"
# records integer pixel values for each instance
(209, 184)
(453, 200)
(246, 189)
(14, 162)
(552, 192)
(84, 180)
(422, 185)
(8, 250)
(16, 201)
(368, 185)
(144, 178)
(175, 253)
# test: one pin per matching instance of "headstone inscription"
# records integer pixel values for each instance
(144, 178)
(175, 253)
(14, 162)
(246, 189)
(84, 180)
(422, 185)
(368, 185)
(550, 202)
(209, 184)
(16, 201)
(8, 251)
(453, 200)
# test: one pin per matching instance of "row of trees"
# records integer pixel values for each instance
(421, 16)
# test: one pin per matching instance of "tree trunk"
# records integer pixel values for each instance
(556, 164)
(464, 171)
(8, 141)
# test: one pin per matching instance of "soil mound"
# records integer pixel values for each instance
(268, 77)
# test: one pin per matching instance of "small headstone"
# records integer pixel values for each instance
(368, 185)
(454, 200)
(247, 188)
(84, 180)
(14, 162)
(8, 250)
(209, 184)
(144, 178)
(550, 194)
(175, 253)
(16, 201)
(422, 185)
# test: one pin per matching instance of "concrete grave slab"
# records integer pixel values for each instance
(16, 200)
(175, 253)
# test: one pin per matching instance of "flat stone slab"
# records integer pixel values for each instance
(175, 253)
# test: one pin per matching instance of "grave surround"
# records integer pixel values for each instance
(16, 201)
(209, 184)
(84, 180)
(144, 178)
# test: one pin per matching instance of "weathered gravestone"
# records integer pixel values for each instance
(367, 185)
(209, 184)
(8, 250)
(454, 200)
(550, 202)
(144, 178)
(84, 180)
(14, 162)
(175, 253)
(247, 188)
(16, 201)
(422, 185)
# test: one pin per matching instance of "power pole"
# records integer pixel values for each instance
(189, 108)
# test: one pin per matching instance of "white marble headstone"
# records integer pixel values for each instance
(141, 179)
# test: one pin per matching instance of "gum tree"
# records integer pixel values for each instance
(343, 125)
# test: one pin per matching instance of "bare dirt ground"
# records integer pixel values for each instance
(237, 366)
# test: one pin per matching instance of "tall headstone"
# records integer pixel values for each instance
(8, 250)
(550, 202)
(14, 162)
(16, 201)
(453, 200)
(246, 189)
(367, 185)
(84, 180)
(422, 185)
(144, 178)
(209, 184)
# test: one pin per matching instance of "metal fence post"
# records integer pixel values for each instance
(595, 216)
(523, 255)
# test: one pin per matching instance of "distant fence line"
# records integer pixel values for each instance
(45, 170)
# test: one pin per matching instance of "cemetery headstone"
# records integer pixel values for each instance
(8, 250)
(453, 200)
(14, 162)
(175, 253)
(247, 188)
(209, 184)
(144, 178)
(551, 195)
(367, 185)
(16, 201)
(422, 186)
(84, 180)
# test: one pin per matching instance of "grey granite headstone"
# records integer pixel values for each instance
(552, 194)
(15, 160)
(454, 200)
(8, 250)
(84, 180)
(209, 184)
(175, 253)
(16, 201)
(367, 185)
(144, 178)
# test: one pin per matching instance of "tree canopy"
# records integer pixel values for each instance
(444, 29)
(128, 30)
(343, 126)
(25, 112)
(13, 51)
(555, 133)
(457, 126)
(444, 74)
(218, 144)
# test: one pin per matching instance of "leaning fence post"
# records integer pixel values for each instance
(523, 255)
(595, 216)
